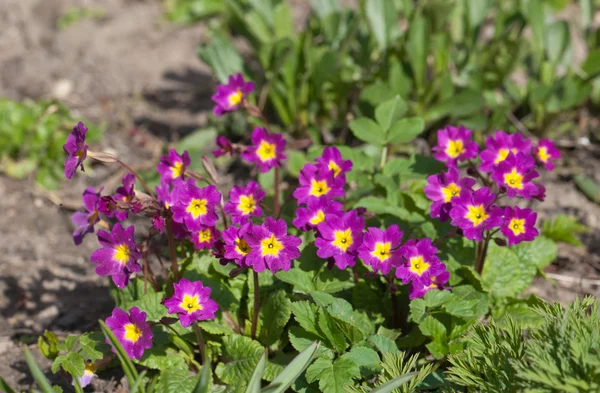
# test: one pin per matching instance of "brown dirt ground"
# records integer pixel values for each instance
(142, 75)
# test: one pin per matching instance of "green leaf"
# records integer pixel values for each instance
(72, 363)
(382, 18)
(204, 382)
(158, 358)
(275, 313)
(324, 7)
(329, 329)
(383, 344)
(333, 377)
(49, 346)
(283, 22)
(368, 131)
(177, 380)
(126, 364)
(305, 314)
(504, 274)
(433, 328)
(68, 344)
(254, 383)
(390, 111)
(417, 49)
(395, 383)
(405, 130)
(300, 279)
(355, 326)
(589, 187)
(564, 229)
(241, 355)
(476, 10)
(222, 56)
(536, 18)
(367, 359)
(540, 252)
(88, 348)
(557, 41)
(293, 370)
(4, 386)
(138, 382)
(37, 374)
(464, 103)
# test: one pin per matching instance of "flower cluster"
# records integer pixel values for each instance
(507, 169)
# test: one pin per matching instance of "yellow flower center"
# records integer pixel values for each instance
(270, 246)
(122, 253)
(418, 265)
(450, 192)
(543, 154)
(514, 179)
(342, 239)
(476, 214)
(190, 303)
(517, 226)
(382, 251)
(319, 188)
(132, 332)
(266, 151)
(93, 217)
(90, 368)
(177, 170)
(80, 154)
(197, 207)
(242, 247)
(335, 168)
(433, 282)
(455, 148)
(318, 218)
(247, 204)
(204, 236)
(235, 98)
(503, 153)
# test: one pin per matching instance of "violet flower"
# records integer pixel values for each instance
(272, 247)
(191, 302)
(196, 206)
(172, 166)
(244, 203)
(519, 225)
(332, 159)
(418, 288)
(76, 150)
(85, 221)
(455, 144)
(340, 238)
(499, 146)
(236, 244)
(316, 182)
(443, 188)
(125, 194)
(225, 146)
(267, 150)
(420, 259)
(515, 174)
(205, 238)
(473, 213)
(379, 248)
(315, 211)
(547, 153)
(131, 330)
(230, 96)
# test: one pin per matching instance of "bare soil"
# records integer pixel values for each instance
(141, 75)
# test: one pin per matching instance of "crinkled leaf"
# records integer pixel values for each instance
(305, 314)
(334, 376)
(367, 359)
(383, 344)
(88, 348)
(275, 314)
(504, 274)
(178, 380)
(240, 358)
(329, 329)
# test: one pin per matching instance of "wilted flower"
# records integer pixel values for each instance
(131, 330)
(172, 166)
(76, 150)
(332, 159)
(205, 237)
(547, 153)
(118, 255)
(316, 182)
(499, 146)
(272, 247)
(225, 146)
(379, 248)
(107, 206)
(125, 194)
(229, 97)
(472, 212)
(196, 206)
(515, 173)
(421, 261)
(340, 238)
(88, 374)
(267, 150)
(192, 302)
(158, 222)
(315, 211)
(236, 244)
(455, 144)
(244, 203)
(443, 188)
(418, 288)
(519, 225)
(85, 220)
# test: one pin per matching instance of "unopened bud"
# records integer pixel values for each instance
(500, 242)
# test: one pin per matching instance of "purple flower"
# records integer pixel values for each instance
(225, 146)
(340, 238)
(267, 150)
(192, 302)
(131, 330)
(499, 146)
(519, 225)
(107, 206)
(158, 222)
(125, 194)
(443, 188)
(541, 194)
(418, 288)
(547, 153)
(272, 247)
(515, 173)
(166, 194)
(379, 248)
(88, 374)
(118, 255)
(229, 97)
(332, 159)
(85, 220)
(76, 150)
(421, 261)
(473, 213)
(244, 203)
(315, 211)
(316, 182)
(455, 144)
(172, 166)
(236, 244)
(205, 237)
(196, 206)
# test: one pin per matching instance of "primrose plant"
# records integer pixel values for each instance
(240, 266)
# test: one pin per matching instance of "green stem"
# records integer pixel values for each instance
(256, 304)
(172, 252)
(384, 154)
(200, 342)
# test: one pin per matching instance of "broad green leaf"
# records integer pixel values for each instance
(464, 103)
(536, 18)
(254, 383)
(240, 358)
(504, 274)
(563, 228)
(415, 167)
(48, 344)
(417, 49)
(354, 325)
(88, 348)
(383, 344)
(334, 376)
(275, 313)
(72, 363)
(588, 186)
(368, 131)
(390, 111)
(264, 8)
(332, 281)
(476, 11)
(540, 252)
(222, 56)
(198, 141)
(329, 329)
(68, 344)
(293, 370)
(367, 359)
(151, 305)
(300, 279)
(205, 380)
(159, 358)
(305, 314)
(301, 339)
(557, 41)
(324, 7)
(177, 380)
(433, 328)
(468, 294)
(405, 130)
(382, 18)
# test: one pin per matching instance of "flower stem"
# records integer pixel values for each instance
(200, 341)
(256, 304)
(384, 154)
(148, 190)
(172, 252)
(394, 299)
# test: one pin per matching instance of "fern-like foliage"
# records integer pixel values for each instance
(562, 354)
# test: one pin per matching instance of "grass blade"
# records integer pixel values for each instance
(204, 380)
(128, 367)
(254, 384)
(37, 374)
(4, 387)
(293, 370)
(138, 382)
(394, 383)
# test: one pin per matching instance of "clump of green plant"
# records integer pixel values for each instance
(32, 135)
